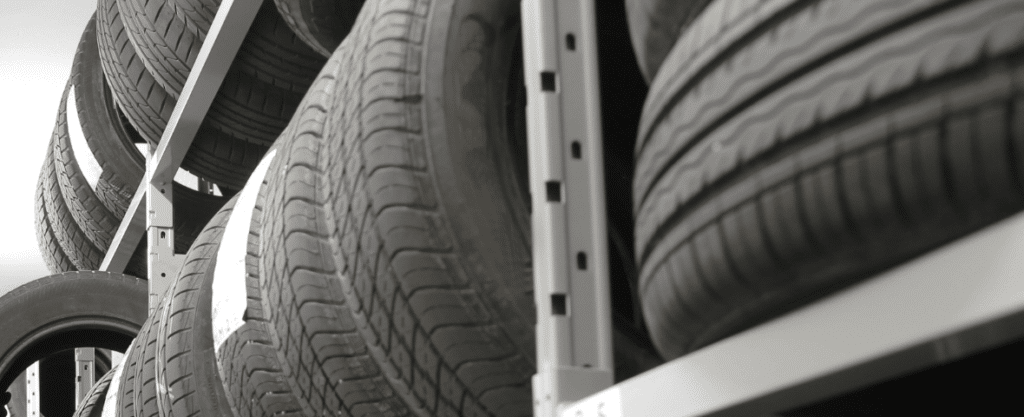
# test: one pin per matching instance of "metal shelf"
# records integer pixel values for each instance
(960, 299)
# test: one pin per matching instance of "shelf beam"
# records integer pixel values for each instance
(957, 300)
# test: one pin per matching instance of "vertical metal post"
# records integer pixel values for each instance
(570, 253)
(85, 375)
(163, 262)
(32, 390)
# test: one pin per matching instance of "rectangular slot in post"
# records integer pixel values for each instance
(548, 81)
(554, 191)
(558, 304)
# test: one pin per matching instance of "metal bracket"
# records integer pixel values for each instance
(570, 253)
(227, 31)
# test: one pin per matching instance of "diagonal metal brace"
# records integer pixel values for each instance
(228, 30)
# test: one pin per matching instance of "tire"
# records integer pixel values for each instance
(849, 137)
(112, 143)
(655, 25)
(108, 138)
(185, 362)
(270, 52)
(54, 257)
(321, 24)
(73, 217)
(250, 365)
(63, 311)
(394, 227)
(92, 404)
(253, 111)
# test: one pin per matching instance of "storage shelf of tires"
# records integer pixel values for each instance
(369, 251)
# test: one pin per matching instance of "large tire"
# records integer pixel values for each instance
(244, 119)
(321, 24)
(396, 214)
(800, 146)
(92, 404)
(74, 225)
(655, 25)
(63, 311)
(185, 362)
(250, 366)
(138, 380)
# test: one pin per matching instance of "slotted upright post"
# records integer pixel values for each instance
(570, 253)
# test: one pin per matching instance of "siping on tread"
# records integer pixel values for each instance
(780, 188)
(354, 230)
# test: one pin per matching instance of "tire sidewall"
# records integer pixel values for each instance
(468, 57)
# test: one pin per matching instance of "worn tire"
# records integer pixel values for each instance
(396, 214)
(321, 24)
(92, 404)
(801, 146)
(655, 26)
(63, 311)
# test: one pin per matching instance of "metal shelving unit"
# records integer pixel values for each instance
(917, 315)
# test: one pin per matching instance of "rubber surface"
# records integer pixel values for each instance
(73, 226)
(63, 311)
(271, 51)
(188, 380)
(655, 25)
(801, 146)
(137, 388)
(246, 116)
(92, 404)
(250, 366)
(321, 24)
(395, 214)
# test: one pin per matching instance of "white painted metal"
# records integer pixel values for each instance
(85, 375)
(574, 354)
(957, 300)
(228, 29)
(32, 390)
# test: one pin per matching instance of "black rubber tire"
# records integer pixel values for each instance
(251, 367)
(82, 253)
(270, 51)
(243, 107)
(74, 228)
(112, 143)
(804, 145)
(63, 311)
(92, 404)
(185, 362)
(403, 220)
(54, 257)
(321, 24)
(137, 388)
(655, 26)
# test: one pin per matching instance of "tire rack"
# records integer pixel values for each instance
(227, 31)
(793, 360)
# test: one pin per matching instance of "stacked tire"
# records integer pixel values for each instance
(91, 170)
(792, 148)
